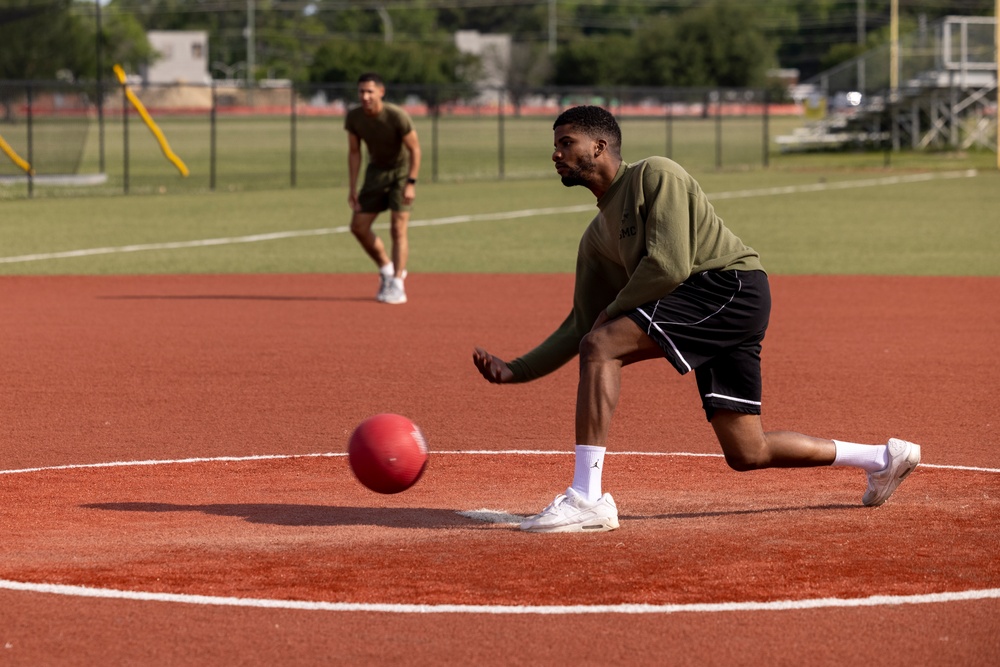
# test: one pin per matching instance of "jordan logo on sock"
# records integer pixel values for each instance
(597, 465)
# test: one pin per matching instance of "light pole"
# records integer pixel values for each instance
(250, 42)
(552, 27)
(894, 47)
(386, 23)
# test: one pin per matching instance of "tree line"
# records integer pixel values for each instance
(560, 42)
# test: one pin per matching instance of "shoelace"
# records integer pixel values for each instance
(560, 499)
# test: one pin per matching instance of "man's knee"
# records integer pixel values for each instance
(742, 440)
(745, 460)
(593, 346)
(361, 225)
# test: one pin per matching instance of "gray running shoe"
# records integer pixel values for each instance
(395, 293)
(383, 286)
(903, 458)
(572, 513)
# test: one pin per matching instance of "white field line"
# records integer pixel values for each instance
(466, 452)
(482, 217)
(274, 236)
(497, 516)
(846, 185)
(705, 607)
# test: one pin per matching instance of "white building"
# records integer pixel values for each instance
(494, 55)
(182, 57)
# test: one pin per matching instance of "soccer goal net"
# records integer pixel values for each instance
(45, 127)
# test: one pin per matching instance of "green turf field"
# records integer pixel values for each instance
(246, 153)
(808, 220)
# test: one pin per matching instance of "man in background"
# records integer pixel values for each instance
(390, 180)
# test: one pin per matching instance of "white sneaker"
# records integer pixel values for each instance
(572, 513)
(385, 281)
(903, 458)
(395, 293)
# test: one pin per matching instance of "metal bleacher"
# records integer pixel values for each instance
(946, 97)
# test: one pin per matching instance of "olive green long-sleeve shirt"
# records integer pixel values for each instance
(655, 229)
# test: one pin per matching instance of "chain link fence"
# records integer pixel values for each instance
(86, 139)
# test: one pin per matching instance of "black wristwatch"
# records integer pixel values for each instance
(411, 181)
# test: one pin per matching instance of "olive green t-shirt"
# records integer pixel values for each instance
(382, 133)
(655, 229)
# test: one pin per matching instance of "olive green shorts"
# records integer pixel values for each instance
(383, 190)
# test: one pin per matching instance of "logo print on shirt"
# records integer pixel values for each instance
(627, 229)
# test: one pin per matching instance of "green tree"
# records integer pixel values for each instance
(123, 41)
(589, 61)
(339, 61)
(43, 40)
(719, 43)
(223, 21)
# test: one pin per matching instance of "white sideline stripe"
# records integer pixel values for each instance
(117, 464)
(273, 236)
(495, 516)
(469, 452)
(701, 607)
(846, 185)
(482, 217)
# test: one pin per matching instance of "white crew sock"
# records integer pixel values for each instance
(388, 270)
(587, 472)
(871, 458)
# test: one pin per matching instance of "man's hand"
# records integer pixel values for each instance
(493, 368)
(352, 201)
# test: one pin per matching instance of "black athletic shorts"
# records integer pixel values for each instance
(714, 323)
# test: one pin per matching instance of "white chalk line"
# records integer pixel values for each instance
(273, 236)
(466, 452)
(846, 185)
(703, 607)
(482, 217)
(306, 605)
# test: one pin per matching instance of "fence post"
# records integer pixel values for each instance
(718, 129)
(100, 87)
(500, 128)
(767, 129)
(670, 123)
(211, 134)
(125, 149)
(293, 111)
(100, 125)
(31, 155)
(435, 114)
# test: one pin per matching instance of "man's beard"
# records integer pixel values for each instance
(579, 174)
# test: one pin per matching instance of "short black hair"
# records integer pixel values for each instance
(596, 122)
(371, 76)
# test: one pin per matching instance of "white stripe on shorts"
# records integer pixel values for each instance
(665, 336)
(733, 398)
(739, 287)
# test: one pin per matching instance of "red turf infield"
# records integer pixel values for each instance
(123, 369)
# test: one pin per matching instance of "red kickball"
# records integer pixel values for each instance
(387, 453)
